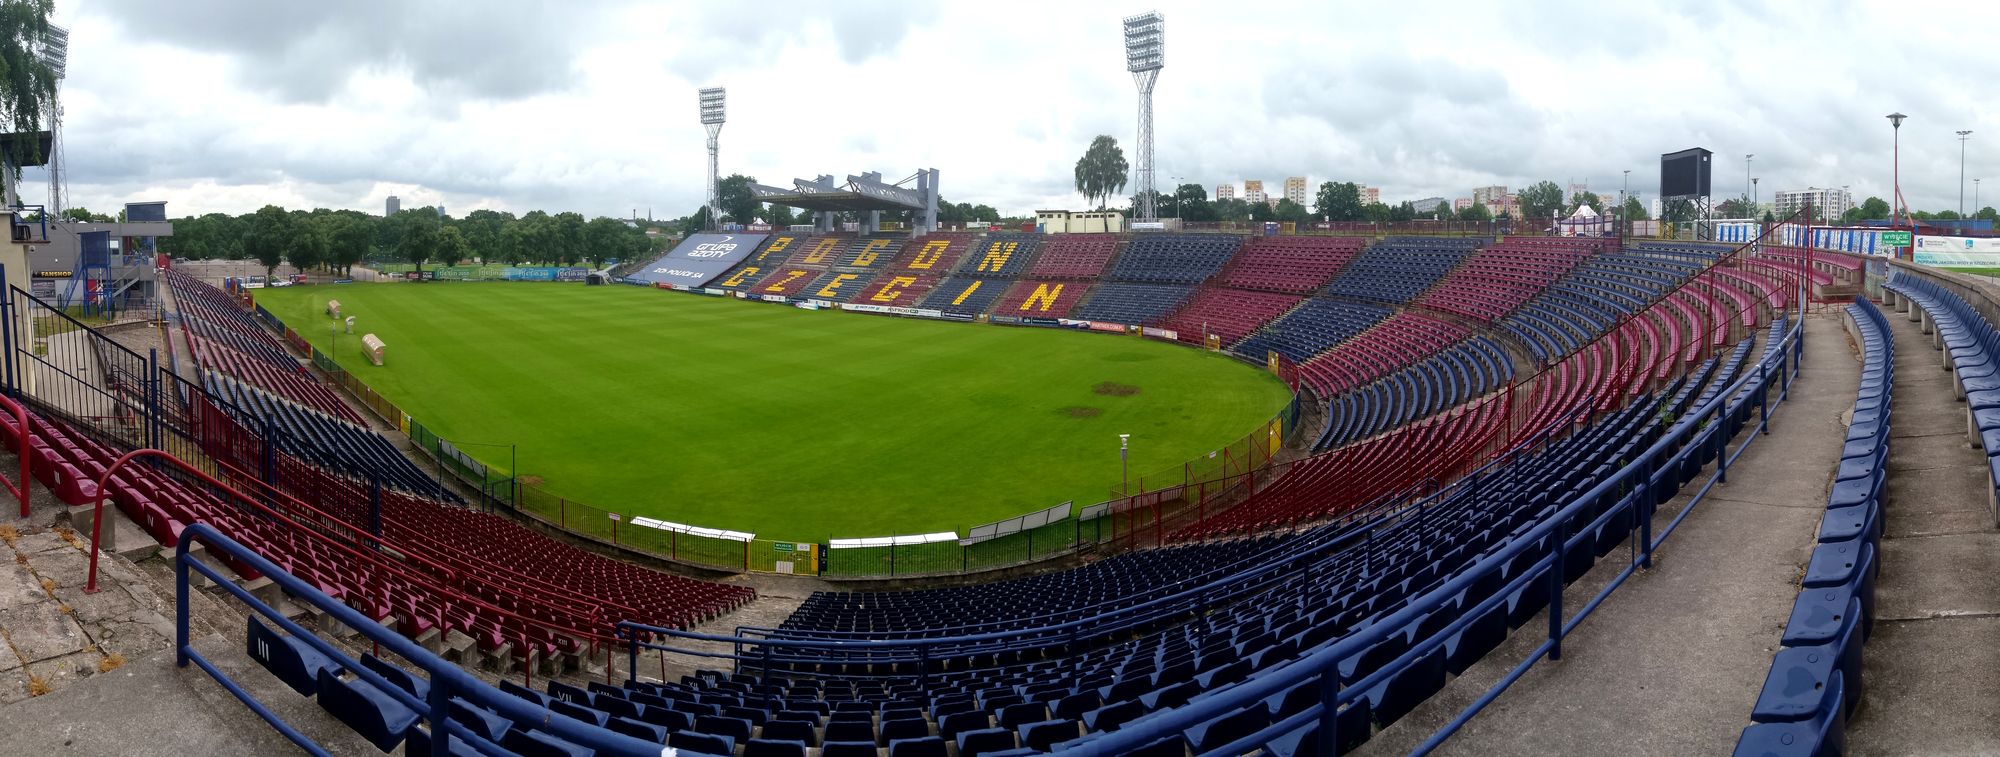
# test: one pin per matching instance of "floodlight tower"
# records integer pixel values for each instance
(55, 52)
(1145, 55)
(711, 119)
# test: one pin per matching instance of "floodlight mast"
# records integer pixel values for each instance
(712, 113)
(55, 52)
(1145, 55)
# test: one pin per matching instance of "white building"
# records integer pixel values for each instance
(1295, 190)
(1828, 203)
(1225, 191)
(1488, 195)
(1253, 191)
(1371, 195)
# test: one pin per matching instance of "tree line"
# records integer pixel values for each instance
(338, 239)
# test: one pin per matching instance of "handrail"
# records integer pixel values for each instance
(1323, 662)
(449, 588)
(447, 680)
(1053, 633)
(20, 428)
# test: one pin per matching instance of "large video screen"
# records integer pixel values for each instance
(1684, 173)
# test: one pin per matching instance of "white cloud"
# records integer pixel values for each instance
(225, 105)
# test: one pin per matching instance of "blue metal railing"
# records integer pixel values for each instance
(1633, 486)
(447, 680)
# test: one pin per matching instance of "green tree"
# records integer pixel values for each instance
(482, 229)
(307, 245)
(1540, 200)
(27, 82)
(1442, 212)
(451, 245)
(349, 239)
(419, 237)
(1403, 212)
(733, 194)
(1874, 208)
(1375, 212)
(1635, 210)
(1101, 172)
(269, 238)
(1987, 213)
(568, 247)
(1338, 202)
(1677, 211)
(1736, 207)
(1292, 212)
(606, 238)
(1261, 212)
(1475, 212)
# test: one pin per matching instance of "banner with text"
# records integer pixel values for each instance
(1958, 252)
(698, 259)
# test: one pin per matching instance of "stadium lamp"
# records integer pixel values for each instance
(713, 100)
(1124, 466)
(1896, 168)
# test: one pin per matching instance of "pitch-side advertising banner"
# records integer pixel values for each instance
(1958, 252)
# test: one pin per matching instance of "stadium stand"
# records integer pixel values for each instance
(1037, 298)
(1972, 350)
(1174, 258)
(1312, 327)
(1497, 279)
(965, 295)
(1074, 256)
(1398, 341)
(1229, 314)
(1815, 680)
(895, 289)
(224, 338)
(1003, 256)
(1397, 269)
(1130, 303)
(1296, 265)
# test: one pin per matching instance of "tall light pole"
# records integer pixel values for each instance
(1145, 55)
(1746, 169)
(1124, 466)
(1625, 189)
(1963, 134)
(712, 100)
(1896, 169)
(1753, 195)
(1975, 195)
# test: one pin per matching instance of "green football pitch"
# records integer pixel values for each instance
(775, 420)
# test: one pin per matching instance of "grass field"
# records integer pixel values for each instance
(788, 423)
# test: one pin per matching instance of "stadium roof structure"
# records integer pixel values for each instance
(860, 194)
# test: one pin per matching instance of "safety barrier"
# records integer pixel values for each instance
(447, 681)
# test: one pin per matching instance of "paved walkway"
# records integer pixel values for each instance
(1671, 663)
(1932, 667)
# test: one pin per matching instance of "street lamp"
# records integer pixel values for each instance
(1896, 168)
(1963, 134)
(1124, 466)
(1753, 194)
(1625, 189)
(1746, 167)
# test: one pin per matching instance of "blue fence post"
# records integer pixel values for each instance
(440, 702)
(180, 602)
(631, 653)
(7, 330)
(1643, 510)
(1764, 396)
(1558, 543)
(1329, 713)
(1721, 444)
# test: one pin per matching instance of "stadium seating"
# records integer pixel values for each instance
(326, 442)
(1036, 298)
(1497, 279)
(934, 254)
(895, 289)
(1174, 258)
(1971, 351)
(1002, 256)
(1128, 303)
(1296, 265)
(1397, 269)
(965, 295)
(1074, 256)
(1451, 377)
(1229, 314)
(1312, 327)
(872, 252)
(1400, 340)
(1815, 679)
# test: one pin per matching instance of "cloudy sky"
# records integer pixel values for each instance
(589, 105)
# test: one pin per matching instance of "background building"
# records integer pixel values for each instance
(1462, 203)
(1488, 195)
(1253, 190)
(1225, 191)
(1826, 203)
(394, 205)
(1371, 195)
(1426, 206)
(1295, 190)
